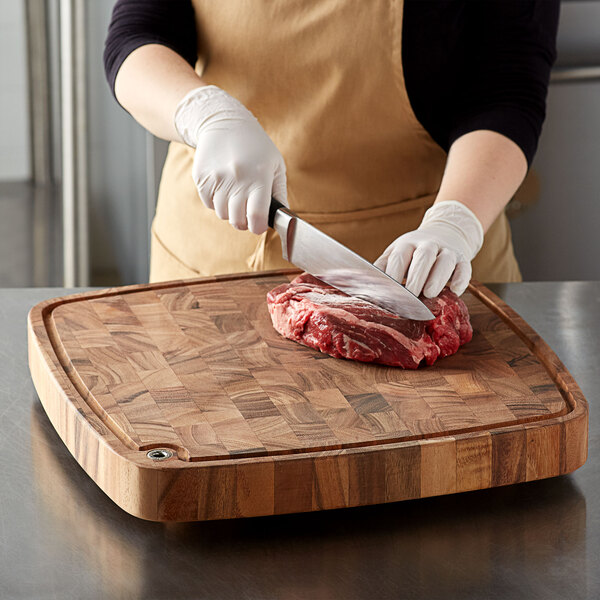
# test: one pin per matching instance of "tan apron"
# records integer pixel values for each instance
(325, 80)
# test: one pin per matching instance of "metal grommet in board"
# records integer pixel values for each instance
(159, 454)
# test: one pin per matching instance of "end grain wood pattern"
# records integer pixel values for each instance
(260, 425)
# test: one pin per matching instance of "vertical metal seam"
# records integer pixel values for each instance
(81, 137)
(74, 143)
(68, 142)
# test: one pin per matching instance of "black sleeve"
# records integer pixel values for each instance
(510, 47)
(135, 23)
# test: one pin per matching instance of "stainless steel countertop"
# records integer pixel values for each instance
(62, 538)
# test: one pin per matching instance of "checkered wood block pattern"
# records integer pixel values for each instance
(197, 367)
(201, 368)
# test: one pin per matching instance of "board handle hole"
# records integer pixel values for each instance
(158, 451)
(159, 454)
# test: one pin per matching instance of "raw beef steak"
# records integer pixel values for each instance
(318, 315)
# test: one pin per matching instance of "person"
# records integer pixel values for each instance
(401, 129)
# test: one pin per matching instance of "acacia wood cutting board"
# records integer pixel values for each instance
(260, 425)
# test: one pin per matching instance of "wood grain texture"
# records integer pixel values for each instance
(261, 425)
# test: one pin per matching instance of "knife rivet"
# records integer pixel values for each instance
(159, 454)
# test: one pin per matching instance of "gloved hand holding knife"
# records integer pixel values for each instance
(237, 169)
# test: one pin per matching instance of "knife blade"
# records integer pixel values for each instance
(320, 255)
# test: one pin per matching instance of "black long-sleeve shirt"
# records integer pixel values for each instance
(468, 64)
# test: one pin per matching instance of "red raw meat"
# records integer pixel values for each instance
(320, 316)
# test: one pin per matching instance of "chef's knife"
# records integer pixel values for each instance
(310, 249)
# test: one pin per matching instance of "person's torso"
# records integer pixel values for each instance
(326, 82)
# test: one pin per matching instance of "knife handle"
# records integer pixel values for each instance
(275, 206)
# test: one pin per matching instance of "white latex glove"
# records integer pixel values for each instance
(440, 250)
(237, 168)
